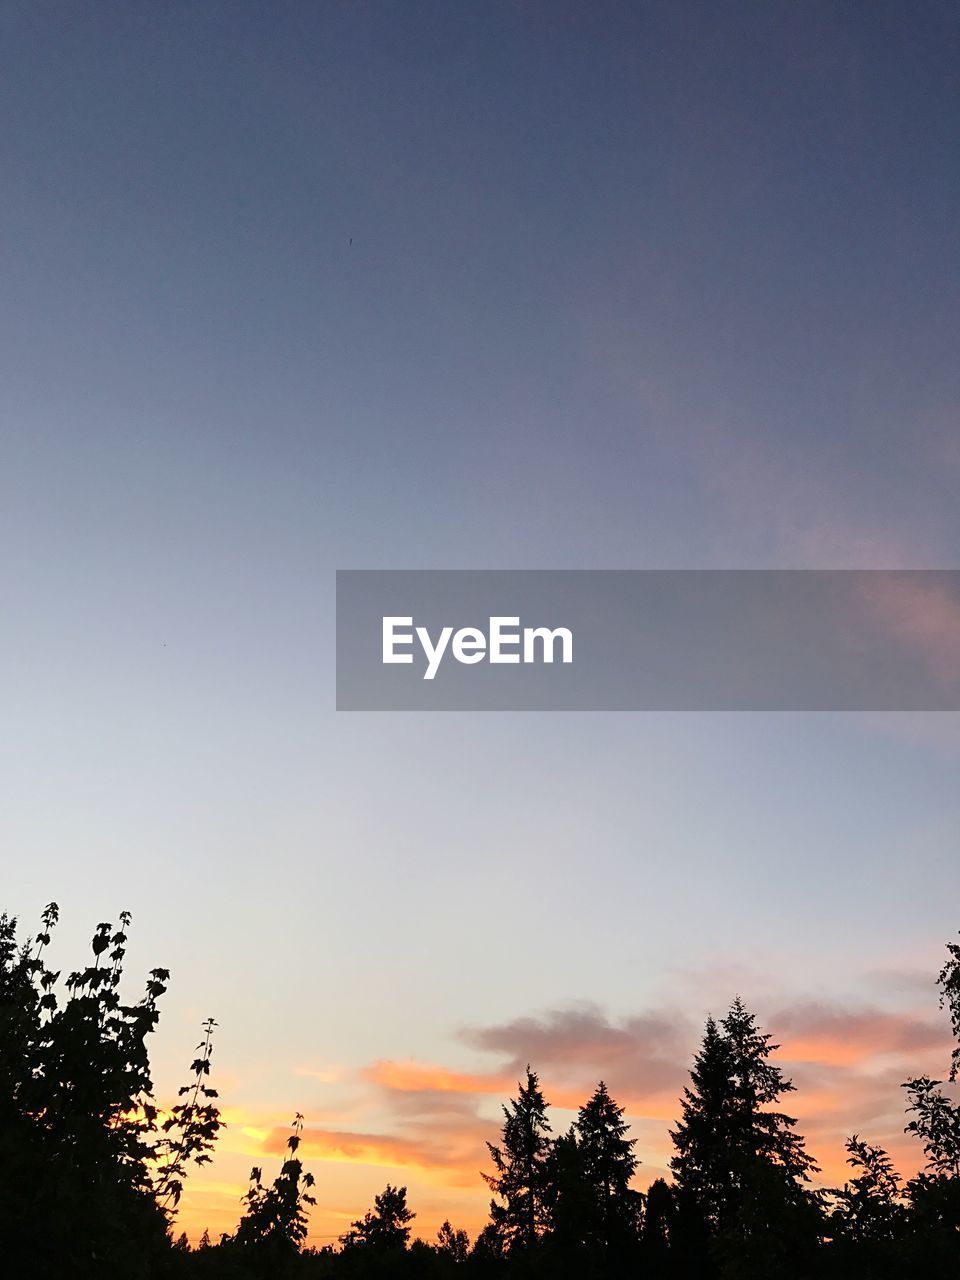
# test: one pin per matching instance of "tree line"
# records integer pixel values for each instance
(92, 1169)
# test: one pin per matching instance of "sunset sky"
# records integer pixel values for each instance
(295, 287)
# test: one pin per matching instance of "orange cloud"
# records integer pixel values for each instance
(422, 1077)
(432, 1121)
(836, 1036)
(358, 1148)
(453, 1154)
(427, 1087)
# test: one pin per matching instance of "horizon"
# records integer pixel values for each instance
(847, 1064)
(520, 285)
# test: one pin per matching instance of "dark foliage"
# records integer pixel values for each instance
(89, 1174)
(520, 1211)
(91, 1170)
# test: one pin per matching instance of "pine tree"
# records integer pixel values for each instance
(568, 1197)
(741, 1169)
(759, 1133)
(453, 1244)
(387, 1227)
(658, 1225)
(703, 1137)
(520, 1162)
(488, 1248)
(609, 1164)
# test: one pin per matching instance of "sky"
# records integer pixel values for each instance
(294, 287)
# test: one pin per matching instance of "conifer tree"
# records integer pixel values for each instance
(385, 1228)
(489, 1247)
(453, 1244)
(658, 1224)
(703, 1137)
(758, 1132)
(520, 1162)
(741, 1169)
(568, 1196)
(609, 1164)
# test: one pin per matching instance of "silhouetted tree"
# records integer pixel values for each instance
(385, 1228)
(191, 1128)
(91, 1170)
(569, 1203)
(609, 1164)
(658, 1226)
(868, 1215)
(453, 1244)
(776, 1230)
(489, 1248)
(79, 1151)
(934, 1193)
(702, 1170)
(741, 1169)
(520, 1164)
(936, 1124)
(948, 981)
(274, 1223)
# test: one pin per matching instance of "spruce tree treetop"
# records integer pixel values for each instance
(758, 1084)
(385, 1228)
(703, 1136)
(519, 1180)
(609, 1163)
(741, 1169)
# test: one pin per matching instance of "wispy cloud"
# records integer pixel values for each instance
(643, 1053)
(922, 615)
(835, 1035)
(429, 1123)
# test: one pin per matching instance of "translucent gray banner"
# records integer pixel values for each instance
(648, 640)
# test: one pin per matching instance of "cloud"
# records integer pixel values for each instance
(642, 1055)
(922, 615)
(847, 1062)
(455, 1151)
(843, 1036)
(432, 1122)
(806, 508)
(425, 1080)
(357, 1148)
(913, 982)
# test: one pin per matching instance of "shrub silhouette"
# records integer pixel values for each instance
(92, 1170)
(89, 1174)
(274, 1223)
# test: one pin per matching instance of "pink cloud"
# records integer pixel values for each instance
(921, 614)
(838, 1036)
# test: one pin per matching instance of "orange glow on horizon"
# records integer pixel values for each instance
(424, 1125)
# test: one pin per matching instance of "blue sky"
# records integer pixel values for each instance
(294, 287)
